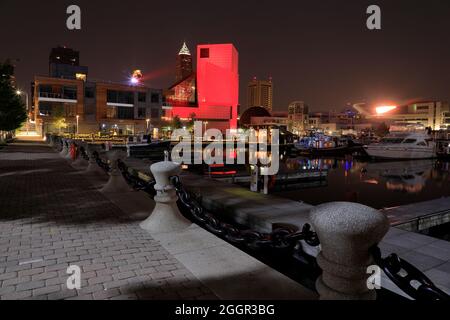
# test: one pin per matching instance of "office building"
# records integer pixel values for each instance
(260, 94)
(298, 114)
(65, 63)
(91, 106)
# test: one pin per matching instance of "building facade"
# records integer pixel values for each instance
(65, 63)
(260, 94)
(430, 114)
(298, 114)
(95, 107)
(211, 94)
(66, 101)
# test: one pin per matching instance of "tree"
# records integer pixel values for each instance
(382, 130)
(191, 123)
(12, 108)
(59, 120)
(176, 123)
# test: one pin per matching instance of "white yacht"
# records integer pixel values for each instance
(403, 145)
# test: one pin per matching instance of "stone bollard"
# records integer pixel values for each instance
(65, 150)
(80, 162)
(93, 168)
(166, 217)
(347, 231)
(116, 183)
(69, 150)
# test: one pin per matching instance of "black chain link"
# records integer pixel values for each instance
(282, 238)
(100, 162)
(135, 182)
(83, 153)
(408, 278)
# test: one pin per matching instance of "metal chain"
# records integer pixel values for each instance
(135, 182)
(282, 238)
(101, 163)
(404, 275)
(83, 153)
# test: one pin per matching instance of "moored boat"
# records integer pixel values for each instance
(403, 145)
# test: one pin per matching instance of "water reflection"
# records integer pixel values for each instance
(377, 184)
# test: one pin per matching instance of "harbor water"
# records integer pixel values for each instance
(376, 184)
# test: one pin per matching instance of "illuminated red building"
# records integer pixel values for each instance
(212, 94)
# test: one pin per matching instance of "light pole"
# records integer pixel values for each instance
(148, 125)
(19, 93)
(78, 124)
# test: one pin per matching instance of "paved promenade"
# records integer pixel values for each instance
(51, 217)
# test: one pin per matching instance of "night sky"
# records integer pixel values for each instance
(317, 51)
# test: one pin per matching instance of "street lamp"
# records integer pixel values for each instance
(148, 125)
(78, 124)
(19, 93)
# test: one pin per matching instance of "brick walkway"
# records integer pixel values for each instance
(51, 217)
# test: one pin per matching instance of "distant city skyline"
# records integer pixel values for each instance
(320, 53)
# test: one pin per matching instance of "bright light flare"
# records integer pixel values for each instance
(385, 109)
(134, 80)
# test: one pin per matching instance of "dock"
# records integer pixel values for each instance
(420, 216)
(264, 213)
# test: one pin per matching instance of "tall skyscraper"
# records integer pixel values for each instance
(260, 94)
(184, 63)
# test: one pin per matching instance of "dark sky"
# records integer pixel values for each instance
(318, 51)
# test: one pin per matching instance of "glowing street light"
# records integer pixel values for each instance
(148, 124)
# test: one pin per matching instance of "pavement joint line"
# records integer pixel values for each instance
(23, 263)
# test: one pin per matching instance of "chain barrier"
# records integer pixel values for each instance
(282, 238)
(101, 163)
(408, 278)
(135, 182)
(404, 275)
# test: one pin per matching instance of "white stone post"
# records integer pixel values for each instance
(69, 148)
(166, 216)
(347, 231)
(116, 183)
(64, 150)
(93, 168)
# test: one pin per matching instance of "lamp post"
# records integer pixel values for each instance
(19, 93)
(148, 125)
(78, 124)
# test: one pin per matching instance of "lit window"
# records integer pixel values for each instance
(81, 76)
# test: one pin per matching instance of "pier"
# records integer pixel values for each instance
(265, 213)
(420, 216)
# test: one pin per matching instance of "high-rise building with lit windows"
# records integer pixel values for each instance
(260, 94)
(184, 64)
